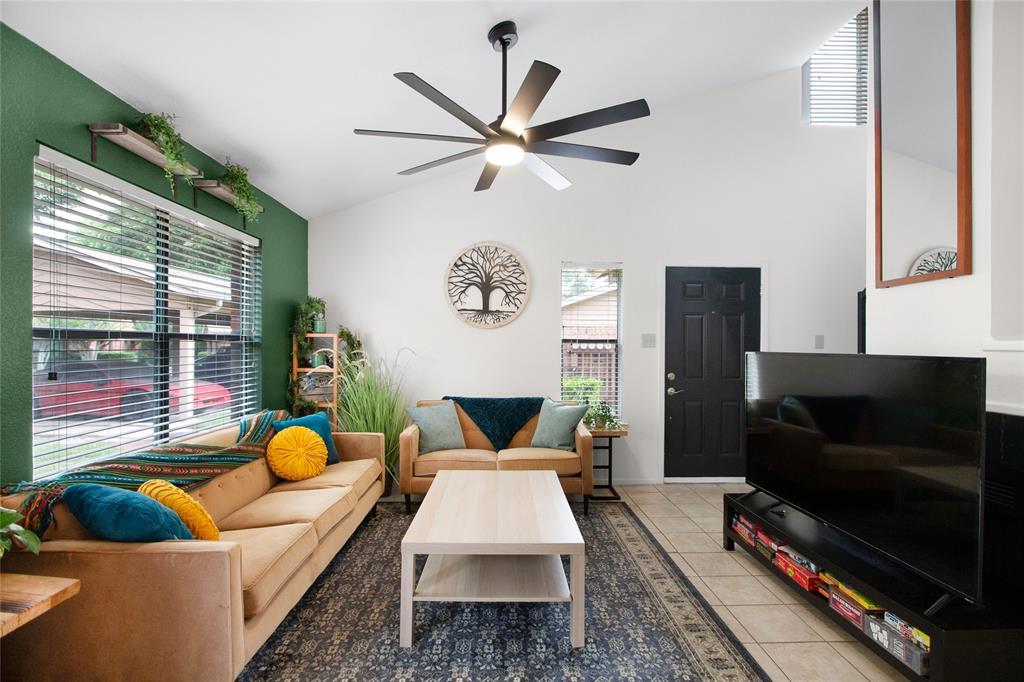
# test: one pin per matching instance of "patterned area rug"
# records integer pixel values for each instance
(644, 620)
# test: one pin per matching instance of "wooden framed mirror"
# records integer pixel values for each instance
(922, 89)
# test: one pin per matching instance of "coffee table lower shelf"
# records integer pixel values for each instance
(493, 578)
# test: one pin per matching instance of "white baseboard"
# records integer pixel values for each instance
(707, 479)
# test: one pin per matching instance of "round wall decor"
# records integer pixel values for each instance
(939, 259)
(487, 285)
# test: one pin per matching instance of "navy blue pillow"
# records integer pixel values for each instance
(123, 515)
(321, 425)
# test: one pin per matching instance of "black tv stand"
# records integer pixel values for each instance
(968, 642)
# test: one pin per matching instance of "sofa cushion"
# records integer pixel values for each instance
(324, 508)
(234, 489)
(270, 556)
(539, 459)
(359, 473)
(432, 462)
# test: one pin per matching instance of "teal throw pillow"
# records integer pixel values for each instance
(320, 424)
(556, 426)
(123, 515)
(439, 427)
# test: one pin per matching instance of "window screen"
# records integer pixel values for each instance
(591, 326)
(145, 323)
(835, 78)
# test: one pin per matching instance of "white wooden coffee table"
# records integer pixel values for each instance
(494, 536)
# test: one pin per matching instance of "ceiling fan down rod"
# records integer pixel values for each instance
(502, 37)
(504, 77)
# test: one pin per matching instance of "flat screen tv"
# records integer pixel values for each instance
(886, 449)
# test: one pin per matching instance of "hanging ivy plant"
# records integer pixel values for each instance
(160, 129)
(237, 179)
(353, 344)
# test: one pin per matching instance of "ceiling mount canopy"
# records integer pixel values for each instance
(507, 140)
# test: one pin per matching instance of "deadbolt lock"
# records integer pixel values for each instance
(671, 376)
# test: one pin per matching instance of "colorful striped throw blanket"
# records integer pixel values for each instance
(186, 465)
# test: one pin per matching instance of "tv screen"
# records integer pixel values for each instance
(887, 449)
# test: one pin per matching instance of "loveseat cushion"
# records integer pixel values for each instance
(462, 459)
(359, 473)
(270, 556)
(539, 459)
(323, 508)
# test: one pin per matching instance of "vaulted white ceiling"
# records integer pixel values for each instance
(279, 86)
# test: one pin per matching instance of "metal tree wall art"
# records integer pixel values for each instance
(487, 285)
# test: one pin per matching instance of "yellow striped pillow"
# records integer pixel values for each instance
(192, 514)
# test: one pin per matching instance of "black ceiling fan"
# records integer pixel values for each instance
(508, 141)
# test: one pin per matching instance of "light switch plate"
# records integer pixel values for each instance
(648, 340)
(819, 341)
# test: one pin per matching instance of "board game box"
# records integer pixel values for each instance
(905, 649)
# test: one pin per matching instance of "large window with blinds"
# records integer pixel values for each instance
(835, 78)
(591, 332)
(145, 318)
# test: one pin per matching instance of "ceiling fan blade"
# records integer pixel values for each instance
(419, 136)
(582, 151)
(545, 172)
(487, 177)
(535, 86)
(593, 119)
(440, 162)
(435, 96)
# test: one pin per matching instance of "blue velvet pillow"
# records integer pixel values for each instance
(556, 426)
(123, 515)
(321, 425)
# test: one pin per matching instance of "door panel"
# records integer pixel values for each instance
(712, 317)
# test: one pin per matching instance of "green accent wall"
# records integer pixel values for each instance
(45, 101)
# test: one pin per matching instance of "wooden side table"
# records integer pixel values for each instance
(25, 597)
(609, 435)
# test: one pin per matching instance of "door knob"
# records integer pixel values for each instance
(672, 391)
(671, 376)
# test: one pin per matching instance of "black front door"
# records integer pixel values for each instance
(712, 317)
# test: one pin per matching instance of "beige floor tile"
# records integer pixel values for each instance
(812, 662)
(695, 509)
(661, 539)
(752, 565)
(716, 503)
(740, 590)
(714, 564)
(867, 662)
(826, 629)
(766, 662)
(632, 489)
(774, 623)
(709, 492)
(735, 487)
(694, 542)
(646, 520)
(733, 624)
(780, 589)
(705, 591)
(683, 565)
(708, 524)
(660, 510)
(682, 497)
(648, 498)
(676, 524)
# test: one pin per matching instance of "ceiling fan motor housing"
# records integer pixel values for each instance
(503, 33)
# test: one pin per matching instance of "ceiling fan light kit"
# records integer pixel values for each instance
(508, 141)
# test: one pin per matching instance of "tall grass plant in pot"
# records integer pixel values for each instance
(370, 399)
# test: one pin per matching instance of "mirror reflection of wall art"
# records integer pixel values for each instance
(939, 259)
(487, 285)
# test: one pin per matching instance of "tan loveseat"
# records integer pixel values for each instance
(575, 469)
(191, 610)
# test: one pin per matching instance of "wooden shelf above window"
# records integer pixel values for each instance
(217, 189)
(123, 136)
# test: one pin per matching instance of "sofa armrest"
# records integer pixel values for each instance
(408, 448)
(146, 611)
(585, 449)
(353, 445)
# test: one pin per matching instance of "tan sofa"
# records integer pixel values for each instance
(416, 472)
(188, 610)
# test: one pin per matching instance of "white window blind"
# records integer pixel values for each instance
(591, 326)
(145, 323)
(835, 78)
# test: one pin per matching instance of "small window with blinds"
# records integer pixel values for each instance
(591, 332)
(835, 78)
(145, 319)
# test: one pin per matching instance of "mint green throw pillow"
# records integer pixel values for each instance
(556, 426)
(439, 427)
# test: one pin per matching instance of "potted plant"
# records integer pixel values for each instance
(307, 315)
(236, 177)
(159, 128)
(601, 416)
(12, 534)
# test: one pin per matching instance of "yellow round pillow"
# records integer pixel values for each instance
(192, 514)
(297, 453)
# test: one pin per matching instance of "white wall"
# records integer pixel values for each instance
(967, 316)
(725, 179)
